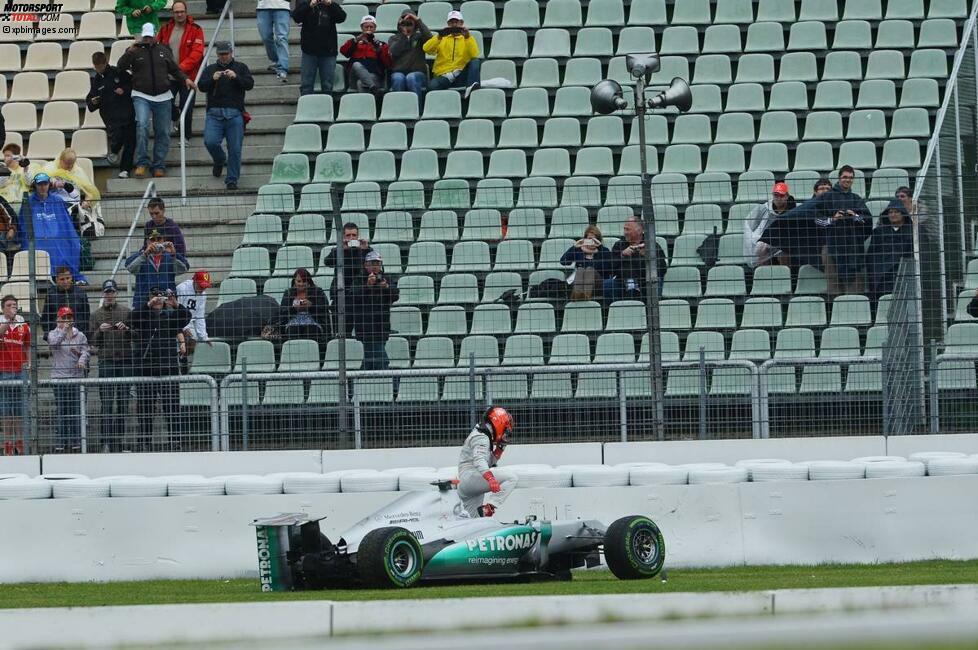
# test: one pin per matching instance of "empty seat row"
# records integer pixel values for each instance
(48, 145)
(60, 115)
(99, 25)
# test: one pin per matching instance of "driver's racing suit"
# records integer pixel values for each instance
(475, 460)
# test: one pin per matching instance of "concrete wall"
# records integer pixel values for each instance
(730, 451)
(868, 521)
(30, 465)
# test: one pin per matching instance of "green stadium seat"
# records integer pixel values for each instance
(739, 211)
(802, 179)
(795, 343)
(626, 316)
(712, 187)
(833, 95)
(682, 282)
(479, 14)
(692, 129)
(656, 130)
(537, 192)
(388, 136)
(738, 12)
(610, 348)
(521, 14)
(820, 10)
(786, 96)
(807, 36)
(434, 352)
(680, 40)
(762, 313)
(852, 35)
(769, 156)
(526, 223)
(604, 130)
(406, 321)
(846, 66)
(919, 92)
(637, 384)
(442, 104)
(569, 101)
(851, 310)
(568, 221)
(823, 125)
(450, 194)
(578, 190)
(632, 40)
(886, 181)
(290, 258)
(704, 218)
(806, 311)
(434, 13)
(494, 193)
(816, 156)
(726, 157)
(345, 137)
(755, 68)
(393, 226)
(811, 281)
(520, 350)
(561, 132)
(333, 166)
(535, 318)
(499, 282)
(551, 42)
(514, 255)
(551, 251)
(876, 93)
(214, 359)
(250, 263)
(671, 188)
(275, 199)
(377, 166)
(686, 382)
(647, 12)
(836, 342)
(731, 250)
(691, 12)
(868, 377)
(232, 289)
(929, 63)
(778, 126)
(483, 351)
(735, 127)
(431, 134)
(262, 230)
(706, 99)
(314, 108)
(894, 34)
(470, 256)
(910, 123)
(938, 32)
(715, 314)
(682, 159)
(357, 107)
(540, 73)
(913, 9)
(747, 345)
(400, 106)
(867, 124)
(748, 98)
(509, 44)
(417, 165)
(458, 289)
(721, 39)
(627, 190)
(516, 132)
(754, 186)
(947, 9)
(868, 10)
(484, 225)
(675, 315)
(507, 163)
(885, 64)
(669, 67)
(476, 134)
(307, 229)
(303, 138)
(630, 162)
(765, 37)
(594, 41)
(902, 152)
(725, 281)
(291, 168)
(861, 154)
(416, 290)
(493, 318)
(771, 281)
(776, 10)
(798, 66)
(612, 218)
(529, 103)
(427, 257)
(464, 164)
(567, 349)
(487, 102)
(445, 320)
(594, 161)
(439, 225)
(405, 195)
(605, 13)
(327, 391)
(586, 71)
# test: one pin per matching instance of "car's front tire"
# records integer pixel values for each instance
(634, 548)
(390, 557)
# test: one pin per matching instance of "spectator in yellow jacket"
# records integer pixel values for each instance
(457, 63)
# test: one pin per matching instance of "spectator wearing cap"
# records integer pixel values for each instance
(757, 251)
(409, 70)
(140, 12)
(15, 345)
(369, 58)
(111, 341)
(370, 306)
(151, 65)
(65, 293)
(69, 354)
(163, 224)
(847, 223)
(185, 38)
(890, 242)
(317, 40)
(456, 51)
(273, 27)
(111, 95)
(225, 83)
(157, 265)
(191, 294)
(157, 325)
(54, 230)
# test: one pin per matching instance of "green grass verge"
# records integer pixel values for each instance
(585, 582)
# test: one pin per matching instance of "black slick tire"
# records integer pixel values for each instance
(390, 557)
(634, 548)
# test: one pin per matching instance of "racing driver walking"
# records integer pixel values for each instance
(481, 451)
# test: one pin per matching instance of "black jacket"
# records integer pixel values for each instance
(407, 52)
(318, 305)
(614, 264)
(116, 110)
(155, 347)
(887, 247)
(151, 66)
(74, 298)
(318, 34)
(370, 307)
(226, 93)
(352, 265)
(3, 129)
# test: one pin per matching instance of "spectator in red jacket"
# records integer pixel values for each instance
(185, 38)
(15, 345)
(369, 58)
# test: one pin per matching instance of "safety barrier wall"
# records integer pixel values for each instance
(863, 521)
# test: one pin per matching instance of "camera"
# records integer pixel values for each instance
(159, 247)
(353, 243)
(591, 241)
(169, 294)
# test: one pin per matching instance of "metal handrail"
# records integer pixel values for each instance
(228, 12)
(149, 192)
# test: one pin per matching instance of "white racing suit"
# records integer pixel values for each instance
(475, 460)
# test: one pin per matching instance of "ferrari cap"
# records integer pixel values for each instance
(202, 279)
(65, 312)
(780, 188)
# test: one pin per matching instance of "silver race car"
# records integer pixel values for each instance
(427, 537)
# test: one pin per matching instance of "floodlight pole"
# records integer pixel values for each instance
(651, 269)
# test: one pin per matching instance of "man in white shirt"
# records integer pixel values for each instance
(190, 294)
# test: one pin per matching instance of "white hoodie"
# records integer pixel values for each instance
(754, 226)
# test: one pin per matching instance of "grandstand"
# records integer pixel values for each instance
(469, 198)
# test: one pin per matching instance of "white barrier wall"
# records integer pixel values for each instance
(966, 443)
(216, 463)
(583, 453)
(864, 521)
(30, 465)
(675, 452)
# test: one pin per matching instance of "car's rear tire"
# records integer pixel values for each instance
(634, 548)
(390, 557)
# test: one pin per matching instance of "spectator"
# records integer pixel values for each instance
(164, 225)
(9, 242)
(317, 40)
(409, 69)
(111, 340)
(3, 129)
(586, 255)
(15, 175)
(111, 95)
(140, 12)
(190, 294)
(370, 59)
(69, 354)
(305, 308)
(822, 186)
(891, 241)
(273, 26)
(371, 300)
(915, 209)
(846, 222)
(973, 306)
(150, 64)
(73, 185)
(54, 230)
(624, 267)
(757, 251)
(157, 324)
(15, 344)
(225, 83)
(65, 293)
(157, 265)
(354, 252)
(185, 39)
(456, 51)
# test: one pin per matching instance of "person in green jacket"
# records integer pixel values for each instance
(140, 12)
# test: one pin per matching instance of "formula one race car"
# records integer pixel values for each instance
(427, 537)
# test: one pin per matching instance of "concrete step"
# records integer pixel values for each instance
(170, 185)
(197, 153)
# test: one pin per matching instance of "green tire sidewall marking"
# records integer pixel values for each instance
(392, 543)
(633, 527)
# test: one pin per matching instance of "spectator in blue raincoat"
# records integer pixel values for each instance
(54, 230)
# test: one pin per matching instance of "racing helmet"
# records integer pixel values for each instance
(500, 424)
